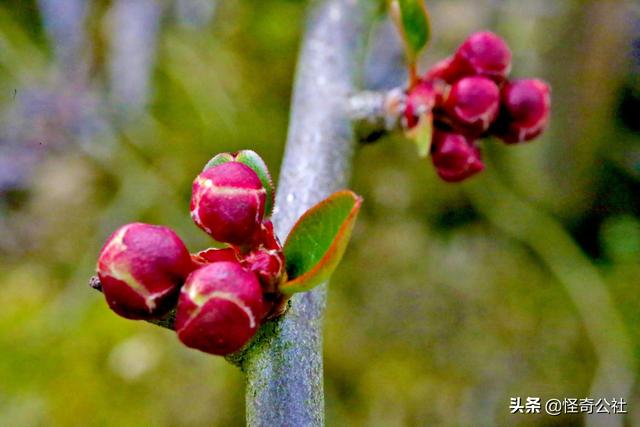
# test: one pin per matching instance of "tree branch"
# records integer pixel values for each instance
(64, 21)
(132, 54)
(284, 366)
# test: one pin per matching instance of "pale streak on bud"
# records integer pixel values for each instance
(201, 300)
(117, 242)
(125, 276)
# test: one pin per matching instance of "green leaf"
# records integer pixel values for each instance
(422, 134)
(255, 162)
(318, 240)
(413, 21)
(218, 159)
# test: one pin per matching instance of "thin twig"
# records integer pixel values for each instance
(375, 113)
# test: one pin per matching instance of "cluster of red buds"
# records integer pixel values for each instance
(220, 296)
(468, 97)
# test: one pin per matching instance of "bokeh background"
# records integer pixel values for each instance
(451, 299)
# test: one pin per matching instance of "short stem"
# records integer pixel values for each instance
(413, 75)
(376, 113)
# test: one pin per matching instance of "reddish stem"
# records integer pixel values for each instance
(413, 75)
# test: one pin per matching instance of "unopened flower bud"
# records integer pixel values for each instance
(420, 100)
(483, 53)
(268, 265)
(220, 308)
(208, 256)
(141, 268)
(526, 109)
(443, 70)
(228, 202)
(266, 258)
(454, 156)
(473, 103)
(266, 237)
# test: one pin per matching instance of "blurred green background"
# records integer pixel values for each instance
(451, 298)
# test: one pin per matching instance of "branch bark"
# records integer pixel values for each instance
(284, 366)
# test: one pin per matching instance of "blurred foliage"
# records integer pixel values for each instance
(437, 314)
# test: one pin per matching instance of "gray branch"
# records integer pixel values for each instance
(64, 21)
(134, 35)
(284, 366)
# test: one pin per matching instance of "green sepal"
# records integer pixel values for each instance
(255, 162)
(218, 159)
(422, 134)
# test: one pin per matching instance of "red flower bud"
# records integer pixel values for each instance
(208, 256)
(228, 202)
(482, 53)
(420, 100)
(473, 103)
(266, 237)
(219, 309)
(454, 156)
(266, 258)
(525, 112)
(268, 265)
(141, 268)
(442, 70)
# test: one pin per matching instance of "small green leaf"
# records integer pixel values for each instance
(218, 159)
(414, 25)
(318, 240)
(422, 134)
(255, 162)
